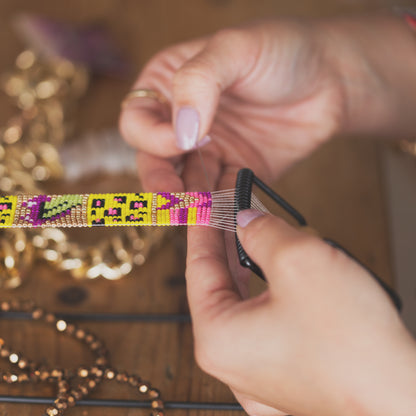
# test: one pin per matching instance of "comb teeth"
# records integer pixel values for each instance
(243, 190)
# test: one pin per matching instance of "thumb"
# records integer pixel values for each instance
(270, 240)
(197, 85)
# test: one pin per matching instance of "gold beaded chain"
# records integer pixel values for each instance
(72, 385)
(46, 93)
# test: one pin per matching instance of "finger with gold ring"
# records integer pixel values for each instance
(144, 93)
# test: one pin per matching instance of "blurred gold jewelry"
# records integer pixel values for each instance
(46, 93)
(144, 93)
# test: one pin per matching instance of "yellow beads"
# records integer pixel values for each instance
(7, 210)
(119, 209)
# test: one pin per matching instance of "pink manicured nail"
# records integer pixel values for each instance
(187, 128)
(204, 141)
(245, 217)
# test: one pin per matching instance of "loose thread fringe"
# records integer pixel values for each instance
(223, 209)
(215, 209)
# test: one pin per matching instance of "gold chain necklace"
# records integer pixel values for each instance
(46, 93)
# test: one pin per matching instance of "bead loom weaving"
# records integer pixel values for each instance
(110, 209)
(115, 209)
(216, 209)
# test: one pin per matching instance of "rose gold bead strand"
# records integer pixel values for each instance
(88, 377)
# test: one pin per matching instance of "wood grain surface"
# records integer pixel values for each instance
(338, 189)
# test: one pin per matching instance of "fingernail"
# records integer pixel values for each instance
(204, 141)
(245, 217)
(187, 128)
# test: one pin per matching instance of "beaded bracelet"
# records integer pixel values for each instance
(110, 209)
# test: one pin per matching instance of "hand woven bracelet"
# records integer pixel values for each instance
(110, 209)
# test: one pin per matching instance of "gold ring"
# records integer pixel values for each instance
(145, 93)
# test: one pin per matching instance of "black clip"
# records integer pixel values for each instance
(243, 191)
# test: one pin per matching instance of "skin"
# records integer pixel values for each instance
(323, 338)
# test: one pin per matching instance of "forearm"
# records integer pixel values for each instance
(375, 58)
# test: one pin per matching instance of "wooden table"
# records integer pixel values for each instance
(338, 189)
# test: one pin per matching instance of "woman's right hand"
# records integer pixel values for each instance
(323, 339)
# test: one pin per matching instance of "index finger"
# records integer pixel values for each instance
(146, 122)
(146, 125)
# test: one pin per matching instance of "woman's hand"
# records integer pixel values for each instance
(266, 95)
(323, 339)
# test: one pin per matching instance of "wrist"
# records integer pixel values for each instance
(388, 384)
(374, 59)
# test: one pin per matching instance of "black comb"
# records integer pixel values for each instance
(243, 191)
